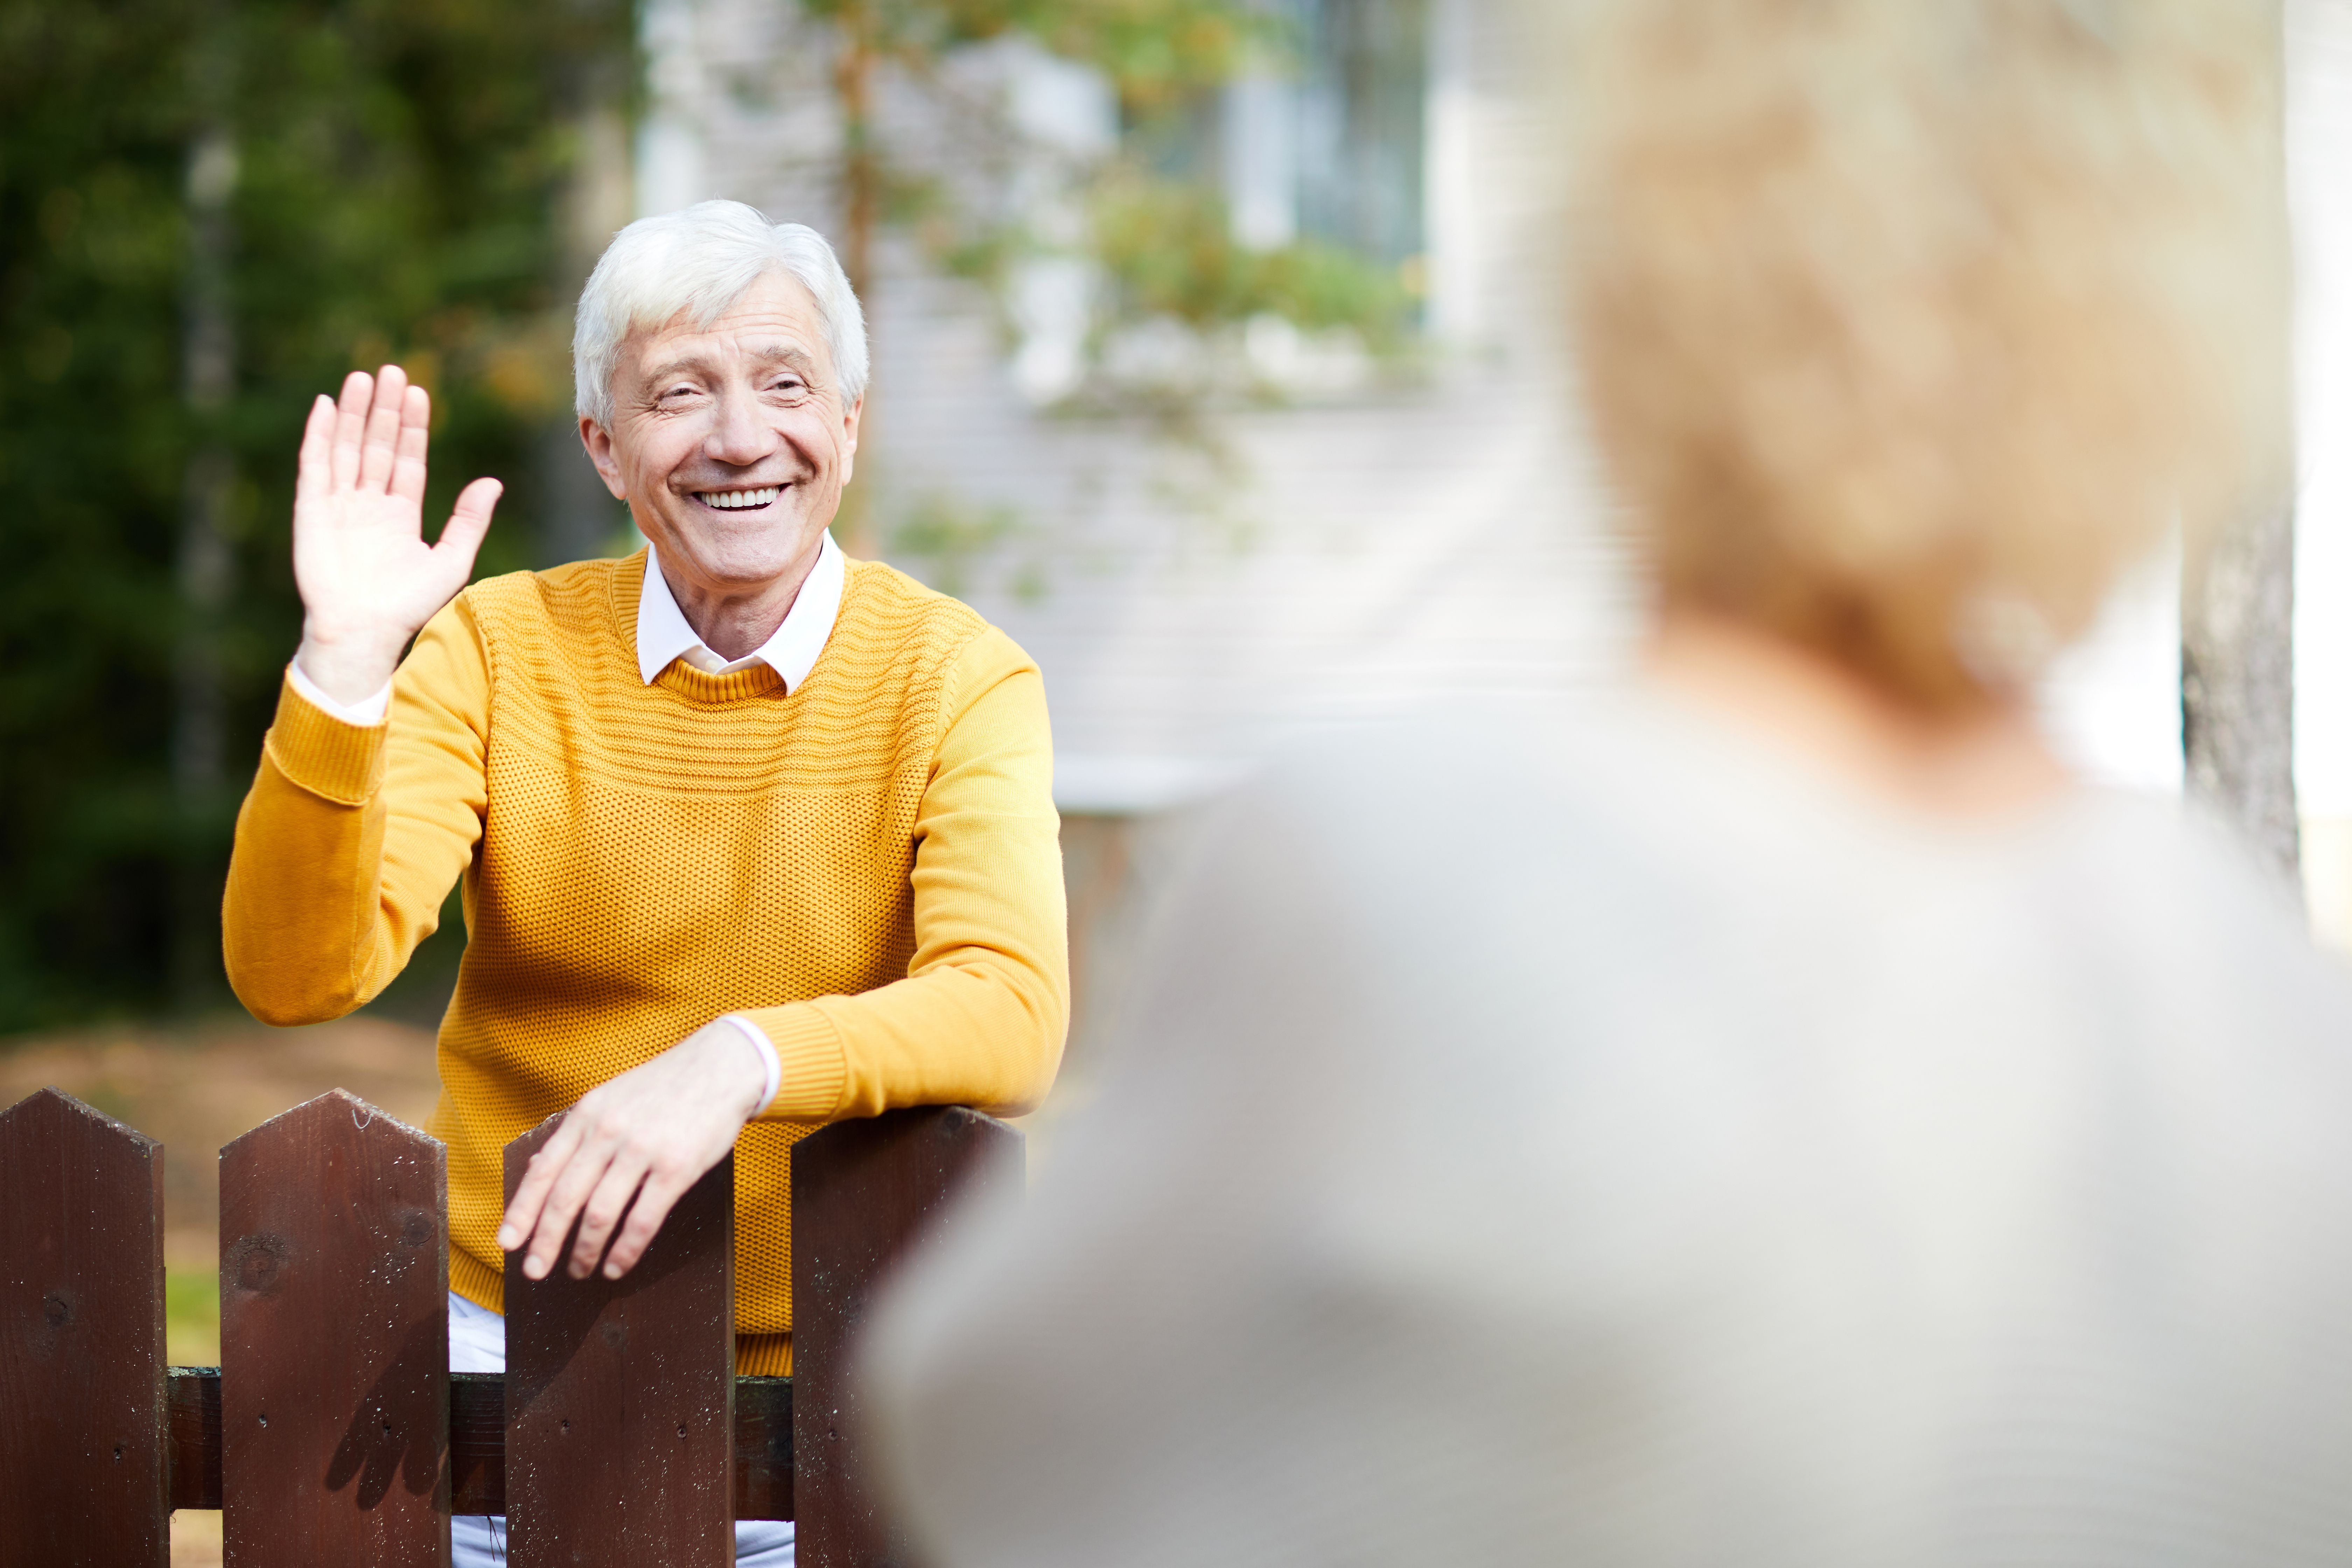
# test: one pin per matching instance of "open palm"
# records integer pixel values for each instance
(368, 579)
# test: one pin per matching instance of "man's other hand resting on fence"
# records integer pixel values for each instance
(646, 1136)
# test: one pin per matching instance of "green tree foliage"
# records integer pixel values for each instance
(1153, 230)
(1170, 249)
(1161, 236)
(397, 173)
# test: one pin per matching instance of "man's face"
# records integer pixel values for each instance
(731, 443)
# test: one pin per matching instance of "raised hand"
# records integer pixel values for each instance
(369, 582)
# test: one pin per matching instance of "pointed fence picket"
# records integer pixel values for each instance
(335, 1432)
(863, 1191)
(334, 1276)
(648, 1364)
(81, 1337)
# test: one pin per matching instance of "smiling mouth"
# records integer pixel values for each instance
(739, 500)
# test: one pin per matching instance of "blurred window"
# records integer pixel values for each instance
(1327, 145)
(1360, 88)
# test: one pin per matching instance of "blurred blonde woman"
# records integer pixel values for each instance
(1774, 1117)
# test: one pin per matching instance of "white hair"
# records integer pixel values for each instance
(698, 262)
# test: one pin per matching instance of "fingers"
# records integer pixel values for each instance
(604, 1208)
(382, 446)
(408, 458)
(659, 1196)
(314, 471)
(576, 1180)
(350, 423)
(381, 428)
(631, 1147)
(537, 1178)
(461, 536)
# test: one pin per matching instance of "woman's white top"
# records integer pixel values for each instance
(1594, 1138)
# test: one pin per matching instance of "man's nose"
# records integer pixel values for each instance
(739, 435)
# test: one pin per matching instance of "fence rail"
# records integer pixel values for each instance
(762, 1485)
(333, 1431)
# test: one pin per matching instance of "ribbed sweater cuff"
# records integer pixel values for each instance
(809, 1049)
(332, 760)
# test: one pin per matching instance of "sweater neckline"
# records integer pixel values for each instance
(627, 585)
(752, 680)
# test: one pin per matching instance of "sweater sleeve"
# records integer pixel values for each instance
(979, 1020)
(352, 836)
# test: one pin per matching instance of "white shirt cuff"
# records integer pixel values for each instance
(366, 713)
(772, 1064)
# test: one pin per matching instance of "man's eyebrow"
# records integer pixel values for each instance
(775, 351)
(789, 353)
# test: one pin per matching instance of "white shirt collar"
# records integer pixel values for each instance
(664, 636)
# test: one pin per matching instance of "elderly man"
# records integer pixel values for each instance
(753, 836)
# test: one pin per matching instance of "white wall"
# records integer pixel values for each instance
(2112, 705)
(2319, 154)
(2320, 177)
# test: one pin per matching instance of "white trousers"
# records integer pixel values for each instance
(477, 1343)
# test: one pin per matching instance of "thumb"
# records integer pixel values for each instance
(461, 536)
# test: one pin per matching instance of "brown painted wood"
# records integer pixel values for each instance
(620, 1395)
(334, 1341)
(477, 1442)
(82, 1470)
(763, 1448)
(762, 1482)
(863, 1193)
(195, 1395)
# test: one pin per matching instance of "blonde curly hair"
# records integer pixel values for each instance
(1906, 324)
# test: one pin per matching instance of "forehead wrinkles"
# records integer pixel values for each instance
(758, 346)
(774, 321)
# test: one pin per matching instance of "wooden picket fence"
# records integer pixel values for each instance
(335, 1433)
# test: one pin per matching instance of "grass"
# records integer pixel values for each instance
(191, 1317)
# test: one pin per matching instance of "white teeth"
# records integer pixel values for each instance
(732, 501)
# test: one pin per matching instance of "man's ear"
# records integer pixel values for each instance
(600, 452)
(850, 418)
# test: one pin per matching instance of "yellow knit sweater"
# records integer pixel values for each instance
(868, 867)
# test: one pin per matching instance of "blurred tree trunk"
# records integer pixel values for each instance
(2237, 681)
(861, 168)
(579, 519)
(206, 565)
(861, 201)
